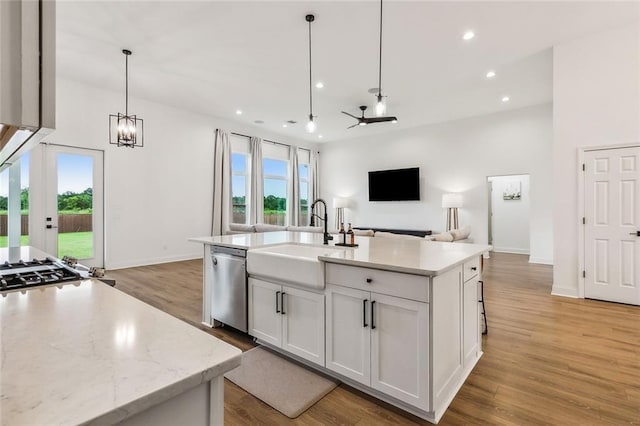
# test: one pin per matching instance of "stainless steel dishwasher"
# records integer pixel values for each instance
(229, 290)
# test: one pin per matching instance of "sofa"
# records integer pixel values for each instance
(456, 236)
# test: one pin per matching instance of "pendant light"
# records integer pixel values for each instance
(124, 129)
(311, 125)
(381, 104)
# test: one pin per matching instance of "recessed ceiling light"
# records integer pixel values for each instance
(319, 85)
(239, 112)
(506, 99)
(284, 125)
(491, 74)
(468, 35)
(319, 136)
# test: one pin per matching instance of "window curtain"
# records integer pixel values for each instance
(221, 184)
(294, 187)
(256, 195)
(314, 181)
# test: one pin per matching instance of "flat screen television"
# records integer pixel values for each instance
(395, 185)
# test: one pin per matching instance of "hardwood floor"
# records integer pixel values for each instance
(547, 359)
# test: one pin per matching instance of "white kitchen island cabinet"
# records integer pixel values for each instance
(288, 318)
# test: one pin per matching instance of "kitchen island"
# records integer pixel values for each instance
(86, 353)
(396, 318)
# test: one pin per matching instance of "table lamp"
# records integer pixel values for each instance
(451, 202)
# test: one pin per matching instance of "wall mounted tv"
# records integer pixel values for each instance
(394, 185)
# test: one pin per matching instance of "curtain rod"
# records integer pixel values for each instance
(270, 141)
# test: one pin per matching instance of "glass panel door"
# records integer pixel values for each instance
(74, 219)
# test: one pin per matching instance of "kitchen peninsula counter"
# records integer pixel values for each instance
(85, 353)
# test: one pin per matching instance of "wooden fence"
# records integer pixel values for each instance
(66, 223)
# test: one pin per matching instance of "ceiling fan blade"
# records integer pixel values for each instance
(350, 115)
(353, 126)
(371, 120)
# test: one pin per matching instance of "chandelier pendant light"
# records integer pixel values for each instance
(311, 124)
(125, 129)
(381, 104)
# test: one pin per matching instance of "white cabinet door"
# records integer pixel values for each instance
(400, 349)
(348, 335)
(303, 324)
(470, 313)
(265, 320)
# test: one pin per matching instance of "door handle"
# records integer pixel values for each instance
(282, 302)
(51, 226)
(364, 313)
(637, 233)
(373, 321)
(215, 261)
(277, 297)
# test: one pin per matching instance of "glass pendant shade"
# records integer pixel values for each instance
(381, 106)
(311, 125)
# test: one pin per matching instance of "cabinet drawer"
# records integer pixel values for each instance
(413, 287)
(470, 269)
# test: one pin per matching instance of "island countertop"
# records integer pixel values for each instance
(86, 352)
(409, 255)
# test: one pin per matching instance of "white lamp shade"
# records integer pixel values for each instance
(451, 200)
(340, 203)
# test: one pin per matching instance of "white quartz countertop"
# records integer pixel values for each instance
(87, 352)
(26, 253)
(412, 256)
(261, 239)
(409, 255)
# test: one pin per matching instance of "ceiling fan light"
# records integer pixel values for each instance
(362, 123)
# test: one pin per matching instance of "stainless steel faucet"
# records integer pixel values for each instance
(327, 237)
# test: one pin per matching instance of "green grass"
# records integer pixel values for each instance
(4, 240)
(74, 244)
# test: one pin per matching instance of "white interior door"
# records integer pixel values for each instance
(612, 216)
(74, 204)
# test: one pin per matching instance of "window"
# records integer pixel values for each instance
(303, 173)
(7, 193)
(239, 185)
(275, 181)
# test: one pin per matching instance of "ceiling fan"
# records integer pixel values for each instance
(363, 121)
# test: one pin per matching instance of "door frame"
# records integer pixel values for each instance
(37, 195)
(581, 207)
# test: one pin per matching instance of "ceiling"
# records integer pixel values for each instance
(216, 57)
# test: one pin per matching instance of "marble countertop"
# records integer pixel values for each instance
(410, 255)
(86, 352)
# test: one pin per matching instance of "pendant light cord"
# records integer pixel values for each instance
(126, 85)
(380, 56)
(310, 79)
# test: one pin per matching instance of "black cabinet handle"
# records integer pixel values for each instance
(373, 321)
(364, 313)
(277, 297)
(282, 302)
(369, 280)
(474, 268)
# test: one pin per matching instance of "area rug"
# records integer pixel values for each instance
(284, 385)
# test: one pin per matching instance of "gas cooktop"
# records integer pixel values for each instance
(23, 274)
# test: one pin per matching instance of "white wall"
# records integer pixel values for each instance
(156, 196)
(456, 156)
(596, 103)
(510, 220)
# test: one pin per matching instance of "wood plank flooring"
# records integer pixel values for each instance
(547, 359)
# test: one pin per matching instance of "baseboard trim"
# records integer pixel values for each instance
(540, 261)
(510, 250)
(565, 292)
(153, 261)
